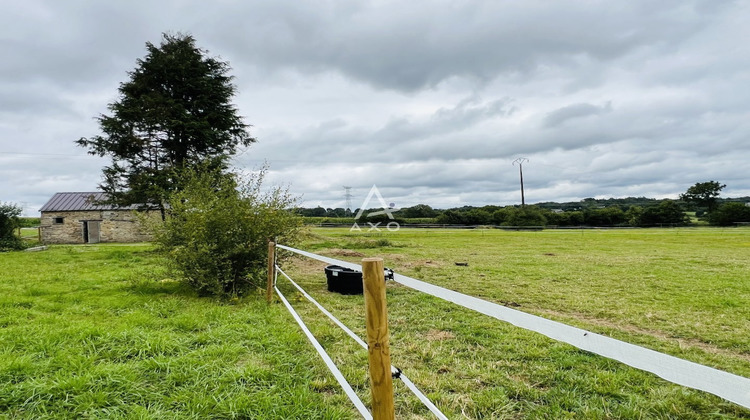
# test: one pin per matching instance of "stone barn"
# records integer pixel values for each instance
(77, 218)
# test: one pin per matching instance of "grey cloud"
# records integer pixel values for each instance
(410, 48)
(559, 116)
(414, 96)
(36, 99)
(400, 139)
(465, 114)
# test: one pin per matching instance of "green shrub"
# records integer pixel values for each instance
(9, 222)
(665, 213)
(730, 213)
(521, 216)
(28, 222)
(218, 229)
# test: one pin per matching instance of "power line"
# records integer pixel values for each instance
(26, 154)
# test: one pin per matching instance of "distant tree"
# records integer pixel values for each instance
(589, 202)
(501, 215)
(703, 194)
(9, 222)
(478, 217)
(572, 218)
(451, 217)
(633, 215)
(337, 212)
(418, 211)
(610, 216)
(730, 213)
(173, 113)
(490, 208)
(667, 212)
(524, 216)
(314, 212)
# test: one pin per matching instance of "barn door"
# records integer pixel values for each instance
(91, 231)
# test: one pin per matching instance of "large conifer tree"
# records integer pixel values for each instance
(174, 112)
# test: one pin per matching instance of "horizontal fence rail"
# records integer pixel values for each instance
(726, 385)
(397, 373)
(327, 359)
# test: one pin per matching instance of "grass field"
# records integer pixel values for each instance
(685, 292)
(103, 332)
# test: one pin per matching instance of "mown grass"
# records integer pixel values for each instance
(685, 292)
(102, 332)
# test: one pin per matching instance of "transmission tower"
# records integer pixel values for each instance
(520, 162)
(348, 196)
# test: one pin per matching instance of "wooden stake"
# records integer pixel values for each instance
(378, 341)
(271, 270)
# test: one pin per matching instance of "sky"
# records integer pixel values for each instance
(431, 101)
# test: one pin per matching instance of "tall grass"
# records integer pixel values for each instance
(102, 332)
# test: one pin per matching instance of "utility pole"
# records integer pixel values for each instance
(520, 162)
(348, 197)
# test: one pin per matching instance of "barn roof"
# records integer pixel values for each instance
(72, 201)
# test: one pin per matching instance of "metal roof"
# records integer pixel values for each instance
(72, 201)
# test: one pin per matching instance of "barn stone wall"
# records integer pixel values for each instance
(115, 226)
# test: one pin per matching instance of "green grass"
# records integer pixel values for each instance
(685, 292)
(101, 332)
(29, 233)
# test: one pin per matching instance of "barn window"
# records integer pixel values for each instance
(58, 220)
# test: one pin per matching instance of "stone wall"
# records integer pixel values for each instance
(115, 226)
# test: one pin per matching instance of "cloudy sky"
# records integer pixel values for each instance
(432, 101)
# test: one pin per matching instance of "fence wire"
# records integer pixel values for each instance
(726, 385)
(399, 374)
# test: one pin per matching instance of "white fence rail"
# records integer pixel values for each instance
(726, 385)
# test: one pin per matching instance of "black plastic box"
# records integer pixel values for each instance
(344, 280)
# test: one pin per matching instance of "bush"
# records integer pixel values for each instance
(665, 213)
(218, 228)
(9, 222)
(418, 211)
(451, 217)
(521, 216)
(608, 216)
(478, 217)
(730, 213)
(29, 222)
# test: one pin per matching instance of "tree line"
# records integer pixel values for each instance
(621, 212)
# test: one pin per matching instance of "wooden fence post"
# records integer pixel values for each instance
(271, 270)
(378, 341)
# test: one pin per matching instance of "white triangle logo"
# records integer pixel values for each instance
(388, 210)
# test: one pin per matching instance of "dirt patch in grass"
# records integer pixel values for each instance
(304, 266)
(344, 253)
(439, 335)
